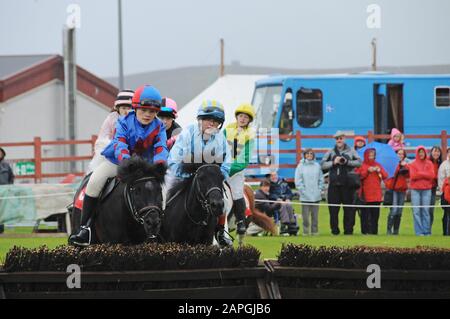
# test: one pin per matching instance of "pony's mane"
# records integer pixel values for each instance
(189, 168)
(137, 167)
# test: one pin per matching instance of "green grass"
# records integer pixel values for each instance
(7, 243)
(270, 246)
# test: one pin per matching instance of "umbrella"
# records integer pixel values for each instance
(386, 156)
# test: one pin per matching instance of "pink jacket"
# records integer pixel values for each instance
(107, 131)
(396, 145)
(421, 172)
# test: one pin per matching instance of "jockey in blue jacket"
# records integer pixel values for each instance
(202, 142)
(141, 133)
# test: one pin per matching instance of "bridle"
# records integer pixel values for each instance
(202, 199)
(140, 215)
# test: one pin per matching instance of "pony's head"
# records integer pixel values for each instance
(144, 192)
(208, 182)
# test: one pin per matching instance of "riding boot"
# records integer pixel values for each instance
(83, 238)
(223, 240)
(239, 211)
(397, 220)
(390, 224)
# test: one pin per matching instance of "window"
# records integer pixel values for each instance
(266, 101)
(309, 108)
(287, 115)
(442, 97)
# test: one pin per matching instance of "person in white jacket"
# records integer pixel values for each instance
(122, 106)
(310, 183)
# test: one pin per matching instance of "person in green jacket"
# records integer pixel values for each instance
(240, 136)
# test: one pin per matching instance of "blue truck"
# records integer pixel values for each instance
(357, 103)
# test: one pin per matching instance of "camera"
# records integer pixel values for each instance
(342, 161)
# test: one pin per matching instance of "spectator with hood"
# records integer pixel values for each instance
(397, 140)
(421, 173)
(372, 174)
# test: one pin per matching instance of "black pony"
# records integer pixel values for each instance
(131, 212)
(194, 205)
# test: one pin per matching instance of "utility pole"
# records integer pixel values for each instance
(121, 84)
(70, 89)
(222, 58)
(374, 54)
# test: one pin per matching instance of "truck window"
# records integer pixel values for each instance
(286, 125)
(442, 97)
(309, 107)
(266, 101)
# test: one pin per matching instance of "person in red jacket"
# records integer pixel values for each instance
(421, 173)
(436, 159)
(372, 174)
(399, 185)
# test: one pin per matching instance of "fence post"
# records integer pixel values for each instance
(298, 145)
(37, 160)
(93, 140)
(370, 137)
(444, 144)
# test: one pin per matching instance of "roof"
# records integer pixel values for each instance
(22, 73)
(183, 84)
(10, 64)
(230, 90)
(279, 79)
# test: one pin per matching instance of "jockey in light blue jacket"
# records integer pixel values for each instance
(202, 142)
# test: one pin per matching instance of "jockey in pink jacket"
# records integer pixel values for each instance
(122, 106)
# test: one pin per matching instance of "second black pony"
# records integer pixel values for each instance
(131, 212)
(194, 205)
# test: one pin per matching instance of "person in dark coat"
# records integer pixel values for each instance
(340, 161)
(263, 194)
(280, 191)
(6, 176)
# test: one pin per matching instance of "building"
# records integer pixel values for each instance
(32, 104)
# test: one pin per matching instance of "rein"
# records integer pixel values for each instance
(202, 199)
(140, 215)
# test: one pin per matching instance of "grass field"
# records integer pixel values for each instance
(270, 246)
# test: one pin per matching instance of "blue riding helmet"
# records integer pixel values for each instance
(211, 109)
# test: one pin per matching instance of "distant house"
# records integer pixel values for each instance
(32, 100)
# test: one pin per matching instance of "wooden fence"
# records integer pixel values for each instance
(38, 159)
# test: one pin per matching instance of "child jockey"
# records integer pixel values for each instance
(240, 138)
(198, 141)
(168, 114)
(122, 106)
(141, 133)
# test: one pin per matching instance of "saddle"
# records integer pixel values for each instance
(109, 186)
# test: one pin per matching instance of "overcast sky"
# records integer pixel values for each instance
(289, 34)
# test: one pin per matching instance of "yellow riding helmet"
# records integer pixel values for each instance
(246, 109)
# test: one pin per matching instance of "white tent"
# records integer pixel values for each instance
(230, 90)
